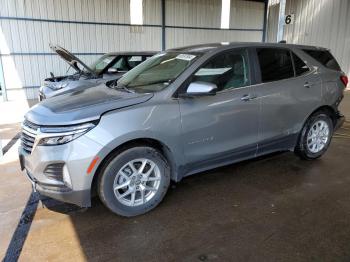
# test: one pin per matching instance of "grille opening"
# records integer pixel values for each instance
(27, 142)
(28, 136)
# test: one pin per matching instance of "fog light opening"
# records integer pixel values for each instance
(66, 178)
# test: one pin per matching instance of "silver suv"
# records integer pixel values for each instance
(181, 112)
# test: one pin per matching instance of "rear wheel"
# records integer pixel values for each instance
(315, 136)
(134, 181)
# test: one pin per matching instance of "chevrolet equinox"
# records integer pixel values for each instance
(181, 112)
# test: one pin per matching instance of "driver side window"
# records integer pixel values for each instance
(227, 70)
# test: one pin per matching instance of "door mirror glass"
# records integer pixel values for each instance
(201, 89)
(112, 70)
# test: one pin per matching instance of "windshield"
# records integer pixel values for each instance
(157, 72)
(100, 64)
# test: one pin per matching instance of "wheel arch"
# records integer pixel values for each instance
(325, 108)
(151, 142)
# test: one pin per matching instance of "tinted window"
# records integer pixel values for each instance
(228, 70)
(102, 62)
(275, 64)
(127, 62)
(299, 65)
(325, 58)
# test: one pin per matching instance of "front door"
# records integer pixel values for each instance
(222, 128)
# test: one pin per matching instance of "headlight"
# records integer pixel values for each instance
(58, 85)
(61, 135)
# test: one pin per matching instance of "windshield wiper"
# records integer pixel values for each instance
(164, 81)
(122, 87)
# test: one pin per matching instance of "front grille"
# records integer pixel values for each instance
(28, 134)
(55, 171)
(30, 125)
(27, 142)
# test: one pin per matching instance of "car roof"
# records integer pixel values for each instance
(133, 53)
(204, 48)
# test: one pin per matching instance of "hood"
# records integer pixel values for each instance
(82, 106)
(71, 59)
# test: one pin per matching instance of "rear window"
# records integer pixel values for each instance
(324, 57)
(275, 64)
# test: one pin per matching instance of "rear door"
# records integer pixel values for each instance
(285, 96)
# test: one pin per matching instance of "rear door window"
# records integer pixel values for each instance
(324, 57)
(299, 65)
(275, 64)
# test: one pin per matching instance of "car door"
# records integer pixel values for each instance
(221, 128)
(282, 100)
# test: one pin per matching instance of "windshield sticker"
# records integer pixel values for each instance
(135, 59)
(185, 57)
(212, 71)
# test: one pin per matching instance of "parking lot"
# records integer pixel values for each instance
(275, 208)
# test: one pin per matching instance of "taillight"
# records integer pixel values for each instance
(345, 80)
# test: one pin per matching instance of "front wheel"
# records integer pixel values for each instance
(315, 136)
(134, 181)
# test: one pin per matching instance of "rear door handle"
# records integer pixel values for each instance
(249, 97)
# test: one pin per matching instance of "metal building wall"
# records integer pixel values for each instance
(198, 21)
(90, 28)
(322, 23)
(272, 21)
(86, 27)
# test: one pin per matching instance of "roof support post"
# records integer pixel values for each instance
(163, 25)
(266, 2)
(281, 15)
(2, 81)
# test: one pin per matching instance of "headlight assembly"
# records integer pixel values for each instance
(57, 85)
(49, 136)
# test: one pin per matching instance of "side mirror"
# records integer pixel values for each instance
(112, 70)
(201, 89)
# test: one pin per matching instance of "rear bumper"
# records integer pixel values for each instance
(340, 119)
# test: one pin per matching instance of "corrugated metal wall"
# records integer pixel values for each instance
(272, 21)
(198, 21)
(90, 28)
(322, 23)
(87, 27)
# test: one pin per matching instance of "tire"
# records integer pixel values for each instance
(306, 147)
(132, 197)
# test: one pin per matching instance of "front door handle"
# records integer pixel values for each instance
(249, 97)
(308, 85)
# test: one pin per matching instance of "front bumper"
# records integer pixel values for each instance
(81, 198)
(76, 157)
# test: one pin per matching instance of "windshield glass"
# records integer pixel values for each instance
(157, 72)
(100, 64)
